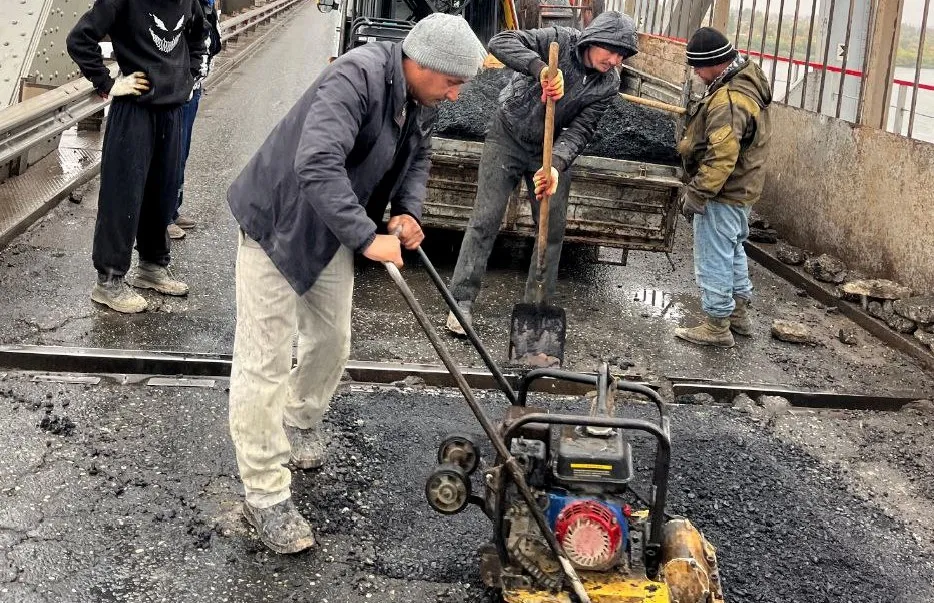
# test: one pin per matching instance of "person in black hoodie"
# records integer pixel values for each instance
(160, 48)
(586, 83)
(182, 223)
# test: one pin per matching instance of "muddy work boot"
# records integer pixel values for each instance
(713, 331)
(281, 527)
(309, 448)
(160, 278)
(185, 222)
(175, 232)
(453, 325)
(117, 296)
(739, 319)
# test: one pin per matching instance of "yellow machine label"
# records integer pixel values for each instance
(591, 466)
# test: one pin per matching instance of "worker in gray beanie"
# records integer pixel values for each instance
(310, 199)
(446, 44)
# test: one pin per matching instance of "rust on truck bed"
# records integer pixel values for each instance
(613, 202)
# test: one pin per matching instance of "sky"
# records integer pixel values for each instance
(914, 10)
(911, 13)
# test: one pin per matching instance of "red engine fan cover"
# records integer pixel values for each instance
(589, 534)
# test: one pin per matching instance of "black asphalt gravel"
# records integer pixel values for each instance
(140, 501)
(627, 131)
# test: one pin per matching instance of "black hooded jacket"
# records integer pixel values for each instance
(165, 39)
(587, 93)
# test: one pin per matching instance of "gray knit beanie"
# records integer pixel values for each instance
(445, 43)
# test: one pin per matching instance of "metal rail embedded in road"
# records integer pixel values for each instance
(99, 361)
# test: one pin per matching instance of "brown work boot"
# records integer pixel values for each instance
(309, 448)
(185, 222)
(160, 278)
(117, 296)
(175, 232)
(713, 331)
(281, 527)
(739, 319)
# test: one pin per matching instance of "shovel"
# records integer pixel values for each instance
(537, 330)
(648, 102)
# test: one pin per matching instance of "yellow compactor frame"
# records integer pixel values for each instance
(689, 574)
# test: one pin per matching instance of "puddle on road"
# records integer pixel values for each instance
(658, 303)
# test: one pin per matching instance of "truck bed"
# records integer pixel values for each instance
(613, 202)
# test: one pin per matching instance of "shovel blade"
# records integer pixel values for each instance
(536, 335)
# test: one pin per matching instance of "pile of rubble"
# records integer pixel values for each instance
(892, 303)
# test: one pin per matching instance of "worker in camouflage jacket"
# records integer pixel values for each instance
(587, 81)
(724, 150)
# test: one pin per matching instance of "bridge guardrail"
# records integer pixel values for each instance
(41, 118)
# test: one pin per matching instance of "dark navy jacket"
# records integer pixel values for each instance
(328, 170)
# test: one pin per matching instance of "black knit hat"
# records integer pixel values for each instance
(708, 47)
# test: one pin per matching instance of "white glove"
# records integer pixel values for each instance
(130, 85)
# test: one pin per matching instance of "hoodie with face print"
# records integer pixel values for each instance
(165, 39)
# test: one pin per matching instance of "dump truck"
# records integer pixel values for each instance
(614, 203)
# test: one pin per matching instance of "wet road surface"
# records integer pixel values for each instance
(115, 492)
(623, 314)
(136, 499)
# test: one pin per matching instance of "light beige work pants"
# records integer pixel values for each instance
(264, 388)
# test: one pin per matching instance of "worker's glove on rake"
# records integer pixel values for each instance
(130, 85)
(543, 185)
(551, 88)
(689, 207)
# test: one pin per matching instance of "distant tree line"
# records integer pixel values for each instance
(908, 42)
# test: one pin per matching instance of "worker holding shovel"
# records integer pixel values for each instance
(586, 82)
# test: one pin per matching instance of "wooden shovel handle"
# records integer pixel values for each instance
(648, 102)
(550, 110)
(547, 145)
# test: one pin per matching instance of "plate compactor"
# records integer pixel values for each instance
(580, 470)
(559, 491)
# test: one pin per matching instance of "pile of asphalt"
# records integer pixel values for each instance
(786, 526)
(626, 131)
(140, 502)
(468, 118)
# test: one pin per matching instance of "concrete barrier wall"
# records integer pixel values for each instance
(861, 194)
(660, 57)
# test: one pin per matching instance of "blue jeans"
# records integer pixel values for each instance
(720, 266)
(189, 111)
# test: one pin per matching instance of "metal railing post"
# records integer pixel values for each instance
(900, 110)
